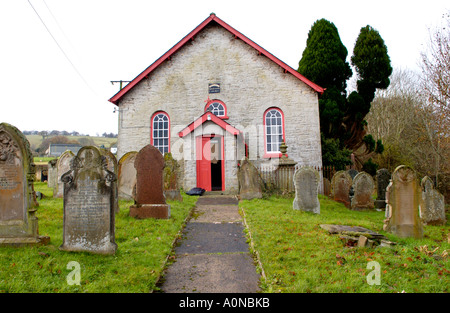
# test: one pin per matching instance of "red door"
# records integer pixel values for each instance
(203, 148)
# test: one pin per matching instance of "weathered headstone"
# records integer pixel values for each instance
(18, 222)
(306, 182)
(432, 205)
(402, 209)
(249, 182)
(363, 187)
(340, 187)
(150, 199)
(111, 165)
(383, 178)
(89, 217)
(62, 166)
(171, 171)
(52, 176)
(127, 176)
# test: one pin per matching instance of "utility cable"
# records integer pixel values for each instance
(62, 50)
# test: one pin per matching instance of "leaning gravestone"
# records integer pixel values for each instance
(18, 222)
(383, 178)
(249, 181)
(62, 166)
(402, 209)
(89, 217)
(306, 182)
(340, 187)
(150, 199)
(363, 187)
(432, 205)
(127, 176)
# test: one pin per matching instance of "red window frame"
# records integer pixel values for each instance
(168, 129)
(225, 116)
(270, 154)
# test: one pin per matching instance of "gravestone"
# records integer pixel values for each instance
(363, 187)
(352, 172)
(340, 187)
(111, 165)
(89, 217)
(402, 209)
(52, 173)
(432, 205)
(171, 171)
(18, 206)
(249, 181)
(383, 178)
(127, 176)
(62, 166)
(326, 187)
(306, 182)
(150, 201)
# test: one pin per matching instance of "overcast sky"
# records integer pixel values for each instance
(58, 76)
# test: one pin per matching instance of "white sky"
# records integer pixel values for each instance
(116, 40)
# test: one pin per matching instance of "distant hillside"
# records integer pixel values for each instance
(36, 141)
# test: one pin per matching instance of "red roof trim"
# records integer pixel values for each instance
(202, 119)
(190, 36)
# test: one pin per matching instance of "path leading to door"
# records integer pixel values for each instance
(213, 255)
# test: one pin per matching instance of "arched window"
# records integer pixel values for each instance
(160, 132)
(274, 131)
(218, 108)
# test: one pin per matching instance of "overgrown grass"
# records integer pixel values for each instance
(299, 256)
(143, 246)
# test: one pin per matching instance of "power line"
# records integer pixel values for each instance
(59, 26)
(62, 50)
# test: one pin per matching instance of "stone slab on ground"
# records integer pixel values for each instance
(216, 214)
(212, 238)
(217, 200)
(212, 273)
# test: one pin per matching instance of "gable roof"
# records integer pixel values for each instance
(191, 35)
(208, 116)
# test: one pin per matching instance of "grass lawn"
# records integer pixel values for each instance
(299, 256)
(143, 246)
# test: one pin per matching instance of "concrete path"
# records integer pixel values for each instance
(213, 255)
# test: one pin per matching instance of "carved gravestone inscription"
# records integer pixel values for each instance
(363, 187)
(150, 199)
(89, 215)
(18, 223)
(306, 182)
(432, 205)
(340, 187)
(402, 209)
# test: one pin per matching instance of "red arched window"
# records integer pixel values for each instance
(273, 132)
(218, 108)
(160, 131)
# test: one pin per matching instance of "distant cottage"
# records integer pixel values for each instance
(214, 98)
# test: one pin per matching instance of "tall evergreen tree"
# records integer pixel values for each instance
(324, 62)
(373, 67)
